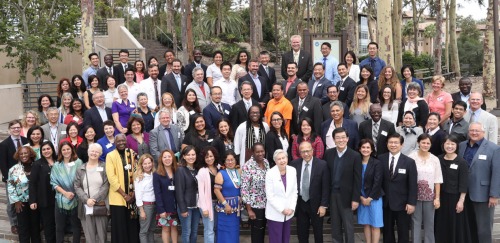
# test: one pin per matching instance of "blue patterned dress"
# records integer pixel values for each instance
(228, 226)
(370, 215)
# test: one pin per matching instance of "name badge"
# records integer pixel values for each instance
(132, 106)
(99, 169)
(319, 85)
(454, 166)
(402, 171)
(305, 108)
(210, 140)
(63, 132)
(179, 135)
(71, 164)
(76, 119)
(171, 188)
(109, 145)
(226, 111)
(384, 133)
(440, 98)
(127, 167)
(341, 88)
(191, 112)
(482, 157)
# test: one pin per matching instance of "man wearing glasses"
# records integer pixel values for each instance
(8, 148)
(313, 182)
(332, 95)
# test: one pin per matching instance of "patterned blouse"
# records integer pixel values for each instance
(253, 190)
(429, 173)
(63, 175)
(18, 184)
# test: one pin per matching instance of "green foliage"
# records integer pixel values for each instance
(470, 47)
(419, 62)
(430, 31)
(34, 32)
(166, 39)
(230, 50)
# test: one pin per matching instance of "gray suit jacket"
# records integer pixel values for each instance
(489, 122)
(484, 172)
(158, 140)
(61, 133)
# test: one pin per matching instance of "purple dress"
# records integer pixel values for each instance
(123, 110)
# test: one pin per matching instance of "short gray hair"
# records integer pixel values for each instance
(478, 123)
(141, 94)
(122, 86)
(196, 69)
(415, 86)
(337, 103)
(163, 110)
(95, 146)
(278, 152)
(52, 108)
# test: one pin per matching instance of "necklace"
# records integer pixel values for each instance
(234, 176)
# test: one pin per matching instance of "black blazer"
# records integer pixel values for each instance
(421, 113)
(272, 144)
(401, 189)
(7, 151)
(264, 93)
(313, 106)
(349, 125)
(101, 74)
(188, 71)
(92, 118)
(119, 73)
(292, 90)
(163, 68)
(373, 90)
(321, 91)
(168, 84)
(305, 65)
(212, 115)
(456, 97)
(326, 111)
(186, 189)
(437, 141)
(347, 94)
(373, 179)
(365, 131)
(350, 174)
(239, 113)
(271, 78)
(40, 190)
(319, 183)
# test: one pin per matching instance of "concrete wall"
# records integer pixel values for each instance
(118, 37)
(11, 98)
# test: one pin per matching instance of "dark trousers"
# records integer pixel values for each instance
(28, 225)
(342, 218)
(123, 228)
(306, 216)
(61, 217)
(399, 218)
(258, 225)
(47, 215)
(480, 218)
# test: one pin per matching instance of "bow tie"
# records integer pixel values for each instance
(409, 130)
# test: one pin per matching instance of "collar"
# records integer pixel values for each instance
(254, 77)
(279, 101)
(478, 143)
(247, 101)
(53, 126)
(344, 78)
(456, 122)
(103, 107)
(396, 156)
(379, 122)
(296, 52)
(340, 153)
(124, 63)
(14, 138)
(304, 162)
(432, 132)
(462, 94)
(216, 104)
(290, 80)
(319, 79)
(133, 84)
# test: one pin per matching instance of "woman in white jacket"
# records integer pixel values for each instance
(281, 193)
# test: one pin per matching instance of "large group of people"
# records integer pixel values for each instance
(172, 146)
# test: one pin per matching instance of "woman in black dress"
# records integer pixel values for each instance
(276, 138)
(437, 134)
(197, 134)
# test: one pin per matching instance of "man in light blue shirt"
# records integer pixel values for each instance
(373, 60)
(92, 70)
(329, 62)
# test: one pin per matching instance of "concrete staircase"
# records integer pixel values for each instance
(153, 48)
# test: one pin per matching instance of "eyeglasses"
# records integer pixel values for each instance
(15, 128)
(276, 120)
(306, 151)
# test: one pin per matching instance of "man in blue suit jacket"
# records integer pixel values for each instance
(400, 188)
(338, 120)
(93, 116)
(318, 86)
(216, 110)
(484, 181)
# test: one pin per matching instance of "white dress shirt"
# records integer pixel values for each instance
(144, 191)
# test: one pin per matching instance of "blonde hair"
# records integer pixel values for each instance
(439, 78)
(173, 101)
(35, 114)
(365, 106)
(65, 95)
(382, 81)
(139, 173)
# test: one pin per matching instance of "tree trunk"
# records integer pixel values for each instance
(384, 31)
(331, 19)
(455, 63)
(447, 36)
(255, 26)
(87, 31)
(438, 39)
(219, 17)
(489, 55)
(141, 19)
(355, 19)
(415, 28)
(396, 28)
(351, 31)
(372, 23)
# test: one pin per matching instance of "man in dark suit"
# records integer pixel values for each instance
(313, 182)
(53, 130)
(337, 120)
(377, 129)
(345, 168)
(259, 83)
(484, 181)
(290, 85)
(239, 111)
(318, 85)
(333, 95)
(346, 85)
(306, 106)
(119, 69)
(216, 110)
(8, 148)
(465, 86)
(175, 83)
(105, 71)
(299, 56)
(264, 70)
(168, 66)
(188, 69)
(97, 115)
(400, 188)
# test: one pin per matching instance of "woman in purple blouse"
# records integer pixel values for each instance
(122, 108)
(137, 139)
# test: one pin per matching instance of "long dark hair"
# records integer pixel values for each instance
(191, 107)
(74, 89)
(204, 153)
(85, 142)
(372, 75)
(282, 128)
(230, 133)
(31, 130)
(54, 156)
(39, 101)
(60, 157)
(71, 110)
(300, 135)
(185, 151)
(381, 96)
(238, 58)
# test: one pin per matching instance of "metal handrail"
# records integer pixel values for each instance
(31, 92)
(178, 48)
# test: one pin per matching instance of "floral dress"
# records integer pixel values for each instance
(253, 190)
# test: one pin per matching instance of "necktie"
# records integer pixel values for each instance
(341, 83)
(178, 80)
(375, 133)
(18, 143)
(247, 105)
(170, 140)
(110, 71)
(220, 109)
(324, 61)
(296, 57)
(472, 118)
(157, 98)
(267, 70)
(301, 103)
(125, 67)
(202, 87)
(391, 167)
(304, 189)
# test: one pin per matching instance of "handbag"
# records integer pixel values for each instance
(99, 208)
